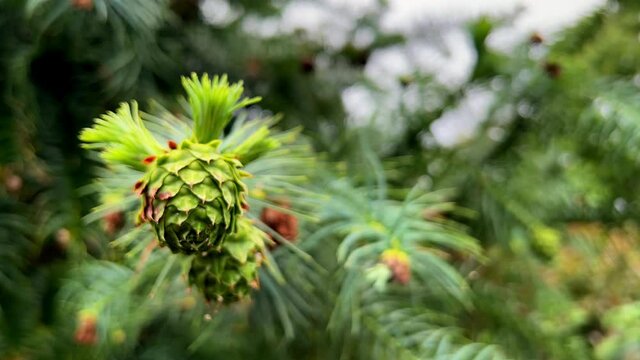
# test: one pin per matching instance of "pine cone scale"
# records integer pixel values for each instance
(194, 194)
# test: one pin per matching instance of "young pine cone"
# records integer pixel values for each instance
(229, 275)
(192, 196)
(87, 329)
(398, 262)
(283, 223)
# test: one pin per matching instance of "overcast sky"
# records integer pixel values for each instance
(438, 44)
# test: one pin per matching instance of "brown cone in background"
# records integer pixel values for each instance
(113, 222)
(399, 264)
(87, 330)
(554, 70)
(307, 64)
(283, 223)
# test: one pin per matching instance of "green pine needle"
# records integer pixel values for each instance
(121, 137)
(213, 102)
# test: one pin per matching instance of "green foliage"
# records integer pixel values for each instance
(230, 274)
(192, 196)
(213, 102)
(123, 137)
(531, 253)
(251, 140)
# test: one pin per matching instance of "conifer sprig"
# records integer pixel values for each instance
(122, 137)
(213, 102)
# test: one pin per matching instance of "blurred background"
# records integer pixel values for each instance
(524, 114)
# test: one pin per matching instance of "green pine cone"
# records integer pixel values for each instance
(192, 196)
(229, 275)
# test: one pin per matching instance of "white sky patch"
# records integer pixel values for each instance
(261, 27)
(438, 44)
(218, 12)
(366, 107)
(546, 17)
(363, 37)
(414, 17)
(305, 15)
(386, 65)
(461, 123)
(413, 98)
(359, 103)
(450, 59)
(322, 22)
(354, 8)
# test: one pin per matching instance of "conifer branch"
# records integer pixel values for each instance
(213, 102)
(121, 137)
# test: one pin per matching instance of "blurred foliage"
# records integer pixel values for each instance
(521, 241)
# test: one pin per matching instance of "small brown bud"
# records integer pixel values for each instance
(554, 70)
(398, 262)
(536, 38)
(137, 186)
(149, 159)
(82, 4)
(63, 238)
(172, 144)
(307, 65)
(87, 329)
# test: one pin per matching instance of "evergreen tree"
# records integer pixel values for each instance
(149, 210)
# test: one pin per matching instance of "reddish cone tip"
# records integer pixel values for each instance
(149, 159)
(82, 4)
(400, 271)
(137, 186)
(398, 262)
(172, 145)
(87, 331)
